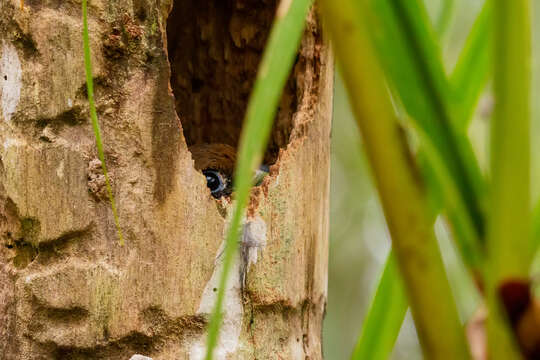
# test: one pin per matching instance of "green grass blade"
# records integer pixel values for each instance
(474, 67)
(410, 56)
(411, 59)
(93, 117)
(439, 183)
(467, 83)
(384, 318)
(403, 199)
(275, 66)
(509, 235)
(444, 17)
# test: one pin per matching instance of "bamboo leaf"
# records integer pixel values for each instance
(407, 213)
(93, 117)
(275, 66)
(385, 316)
(509, 237)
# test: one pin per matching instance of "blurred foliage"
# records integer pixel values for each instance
(359, 239)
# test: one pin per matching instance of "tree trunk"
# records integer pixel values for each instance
(166, 77)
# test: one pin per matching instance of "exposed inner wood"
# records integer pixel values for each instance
(214, 49)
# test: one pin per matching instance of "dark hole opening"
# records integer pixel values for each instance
(214, 49)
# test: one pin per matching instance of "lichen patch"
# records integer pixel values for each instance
(10, 80)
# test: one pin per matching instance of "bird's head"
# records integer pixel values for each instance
(216, 162)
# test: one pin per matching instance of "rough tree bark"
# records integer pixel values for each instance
(167, 76)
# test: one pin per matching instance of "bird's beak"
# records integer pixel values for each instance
(260, 174)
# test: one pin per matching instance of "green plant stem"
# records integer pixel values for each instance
(93, 117)
(385, 316)
(536, 228)
(276, 64)
(509, 245)
(402, 197)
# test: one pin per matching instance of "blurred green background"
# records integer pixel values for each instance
(359, 240)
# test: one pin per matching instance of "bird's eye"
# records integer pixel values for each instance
(214, 182)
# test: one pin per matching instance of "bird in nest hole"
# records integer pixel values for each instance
(217, 161)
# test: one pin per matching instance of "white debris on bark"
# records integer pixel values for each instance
(140, 357)
(10, 80)
(253, 238)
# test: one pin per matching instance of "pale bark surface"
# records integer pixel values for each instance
(68, 290)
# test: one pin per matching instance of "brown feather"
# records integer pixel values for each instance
(220, 157)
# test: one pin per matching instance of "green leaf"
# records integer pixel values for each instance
(383, 321)
(385, 316)
(93, 117)
(443, 19)
(440, 185)
(275, 66)
(407, 49)
(467, 81)
(409, 218)
(474, 67)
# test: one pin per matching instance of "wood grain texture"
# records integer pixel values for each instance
(67, 289)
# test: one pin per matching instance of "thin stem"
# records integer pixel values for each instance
(93, 117)
(509, 240)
